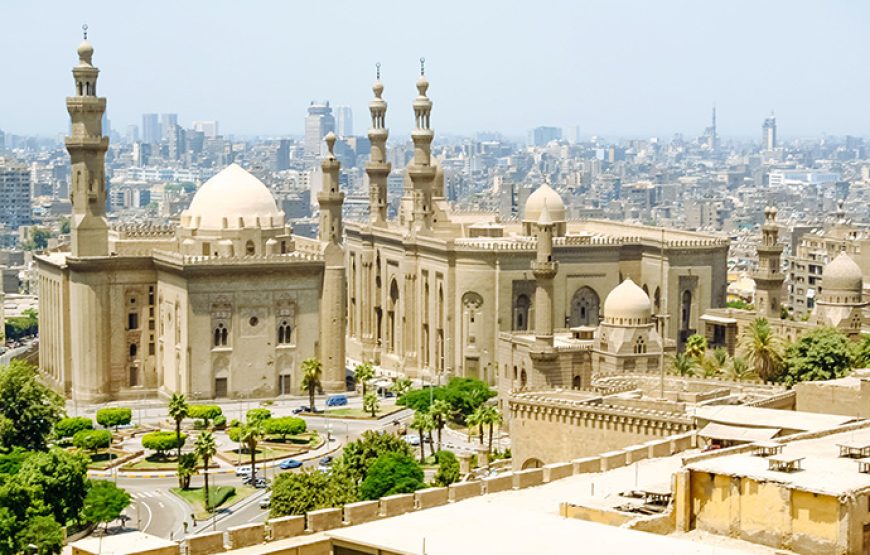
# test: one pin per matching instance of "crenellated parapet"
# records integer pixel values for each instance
(139, 231)
(249, 260)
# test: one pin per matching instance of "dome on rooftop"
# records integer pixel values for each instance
(544, 195)
(233, 199)
(842, 274)
(627, 304)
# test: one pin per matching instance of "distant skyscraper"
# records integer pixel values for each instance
(344, 121)
(14, 194)
(318, 123)
(2, 142)
(208, 128)
(167, 125)
(768, 133)
(132, 134)
(543, 135)
(150, 129)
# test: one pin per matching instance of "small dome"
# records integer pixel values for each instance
(627, 304)
(86, 51)
(233, 198)
(544, 195)
(842, 274)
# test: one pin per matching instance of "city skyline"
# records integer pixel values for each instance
(640, 70)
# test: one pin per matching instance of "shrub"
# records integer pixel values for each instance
(204, 412)
(284, 426)
(258, 415)
(92, 440)
(67, 427)
(448, 468)
(390, 474)
(161, 442)
(295, 493)
(220, 421)
(114, 417)
(199, 424)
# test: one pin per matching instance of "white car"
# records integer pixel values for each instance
(243, 471)
(266, 502)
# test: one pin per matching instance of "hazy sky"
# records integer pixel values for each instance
(615, 68)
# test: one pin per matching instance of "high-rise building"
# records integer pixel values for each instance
(540, 136)
(14, 193)
(2, 142)
(167, 125)
(150, 129)
(768, 133)
(318, 123)
(209, 128)
(132, 134)
(343, 121)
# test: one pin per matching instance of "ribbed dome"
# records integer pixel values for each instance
(842, 274)
(535, 205)
(233, 199)
(627, 304)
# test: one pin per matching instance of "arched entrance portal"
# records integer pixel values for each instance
(584, 307)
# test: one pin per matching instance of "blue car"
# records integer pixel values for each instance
(289, 463)
(336, 401)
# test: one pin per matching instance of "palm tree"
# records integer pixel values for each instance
(738, 369)
(371, 403)
(250, 435)
(178, 411)
(205, 448)
(401, 386)
(312, 369)
(683, 365)
(762, 348)
(441, 411)
(720, 358)
(422, 422)
(696, 346)
(476, 421)
(364, 373)
(490, 416)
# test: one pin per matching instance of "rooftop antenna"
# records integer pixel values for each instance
(85, 31)
(422, 66)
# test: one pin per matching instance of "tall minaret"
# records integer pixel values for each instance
(378, 168)
(421, 171)
(87, 149)
(769, 277)
(544, 269)
(334, 292)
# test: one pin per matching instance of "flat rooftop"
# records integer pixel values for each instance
(520, 522)
(770, 418)
(824, 471)
(122, 544)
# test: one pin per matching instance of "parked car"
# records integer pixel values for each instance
(412, 440)
(261, 483)
(287, 464)
(298, 410)
(266, 502)
(243, 471)
(326, 461)
(336, 401)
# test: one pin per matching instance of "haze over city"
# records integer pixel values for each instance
(628, 69)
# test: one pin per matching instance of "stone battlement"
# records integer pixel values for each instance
(256, 259)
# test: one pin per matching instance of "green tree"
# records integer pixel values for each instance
(358, 456)
(205, 448)
(61, 479)
(295, 493)
(363, 374)
(205, 413)
(463, 394)
(161, 442)
(104, 502)
(258, 415)
(186, 469)
(178, 411)
(683, 365)
(696, 346)
(371, 403)
(249, 435)
(820, 354)
(44, 533)
(284, 426)
(739, 370)
(489, 417)
(92, 440)
(38, 240)
(762, 349)
(441, 412)
(113, 417)
(739, 304)
(28, 409)
(67, 427)
(64, 225)
(448, 469)
(392, 473)
(862, 352)
(422, 422)
(401, 386)
(312, 370)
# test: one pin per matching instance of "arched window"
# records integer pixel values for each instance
(133, 350)
(220, 335)
(249, 248)
(391, 316)
(521, 312)
(640, 346)
(585, 306)
(284, 333)
(686, 310)
(523, 378)
(576, 382)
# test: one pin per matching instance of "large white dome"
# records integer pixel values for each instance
(233, 199)
(627, 304)
(843, 275)
(544, 195)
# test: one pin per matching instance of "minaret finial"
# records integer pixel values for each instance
(85, 31)
(378, 70)
(422, 66)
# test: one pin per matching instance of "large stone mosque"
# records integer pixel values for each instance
(227, 303)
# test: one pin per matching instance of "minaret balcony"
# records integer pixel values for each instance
(86, 142)
(545, 269)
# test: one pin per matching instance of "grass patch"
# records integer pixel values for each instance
(220, 497)
(264, 453)
(104, 458)
(153, 462)
(359, 413)
(305, 439)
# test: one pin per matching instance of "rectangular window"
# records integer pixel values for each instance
(134, 376)
(133, 321)
(151, 348)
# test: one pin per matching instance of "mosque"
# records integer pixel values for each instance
(228, 302)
